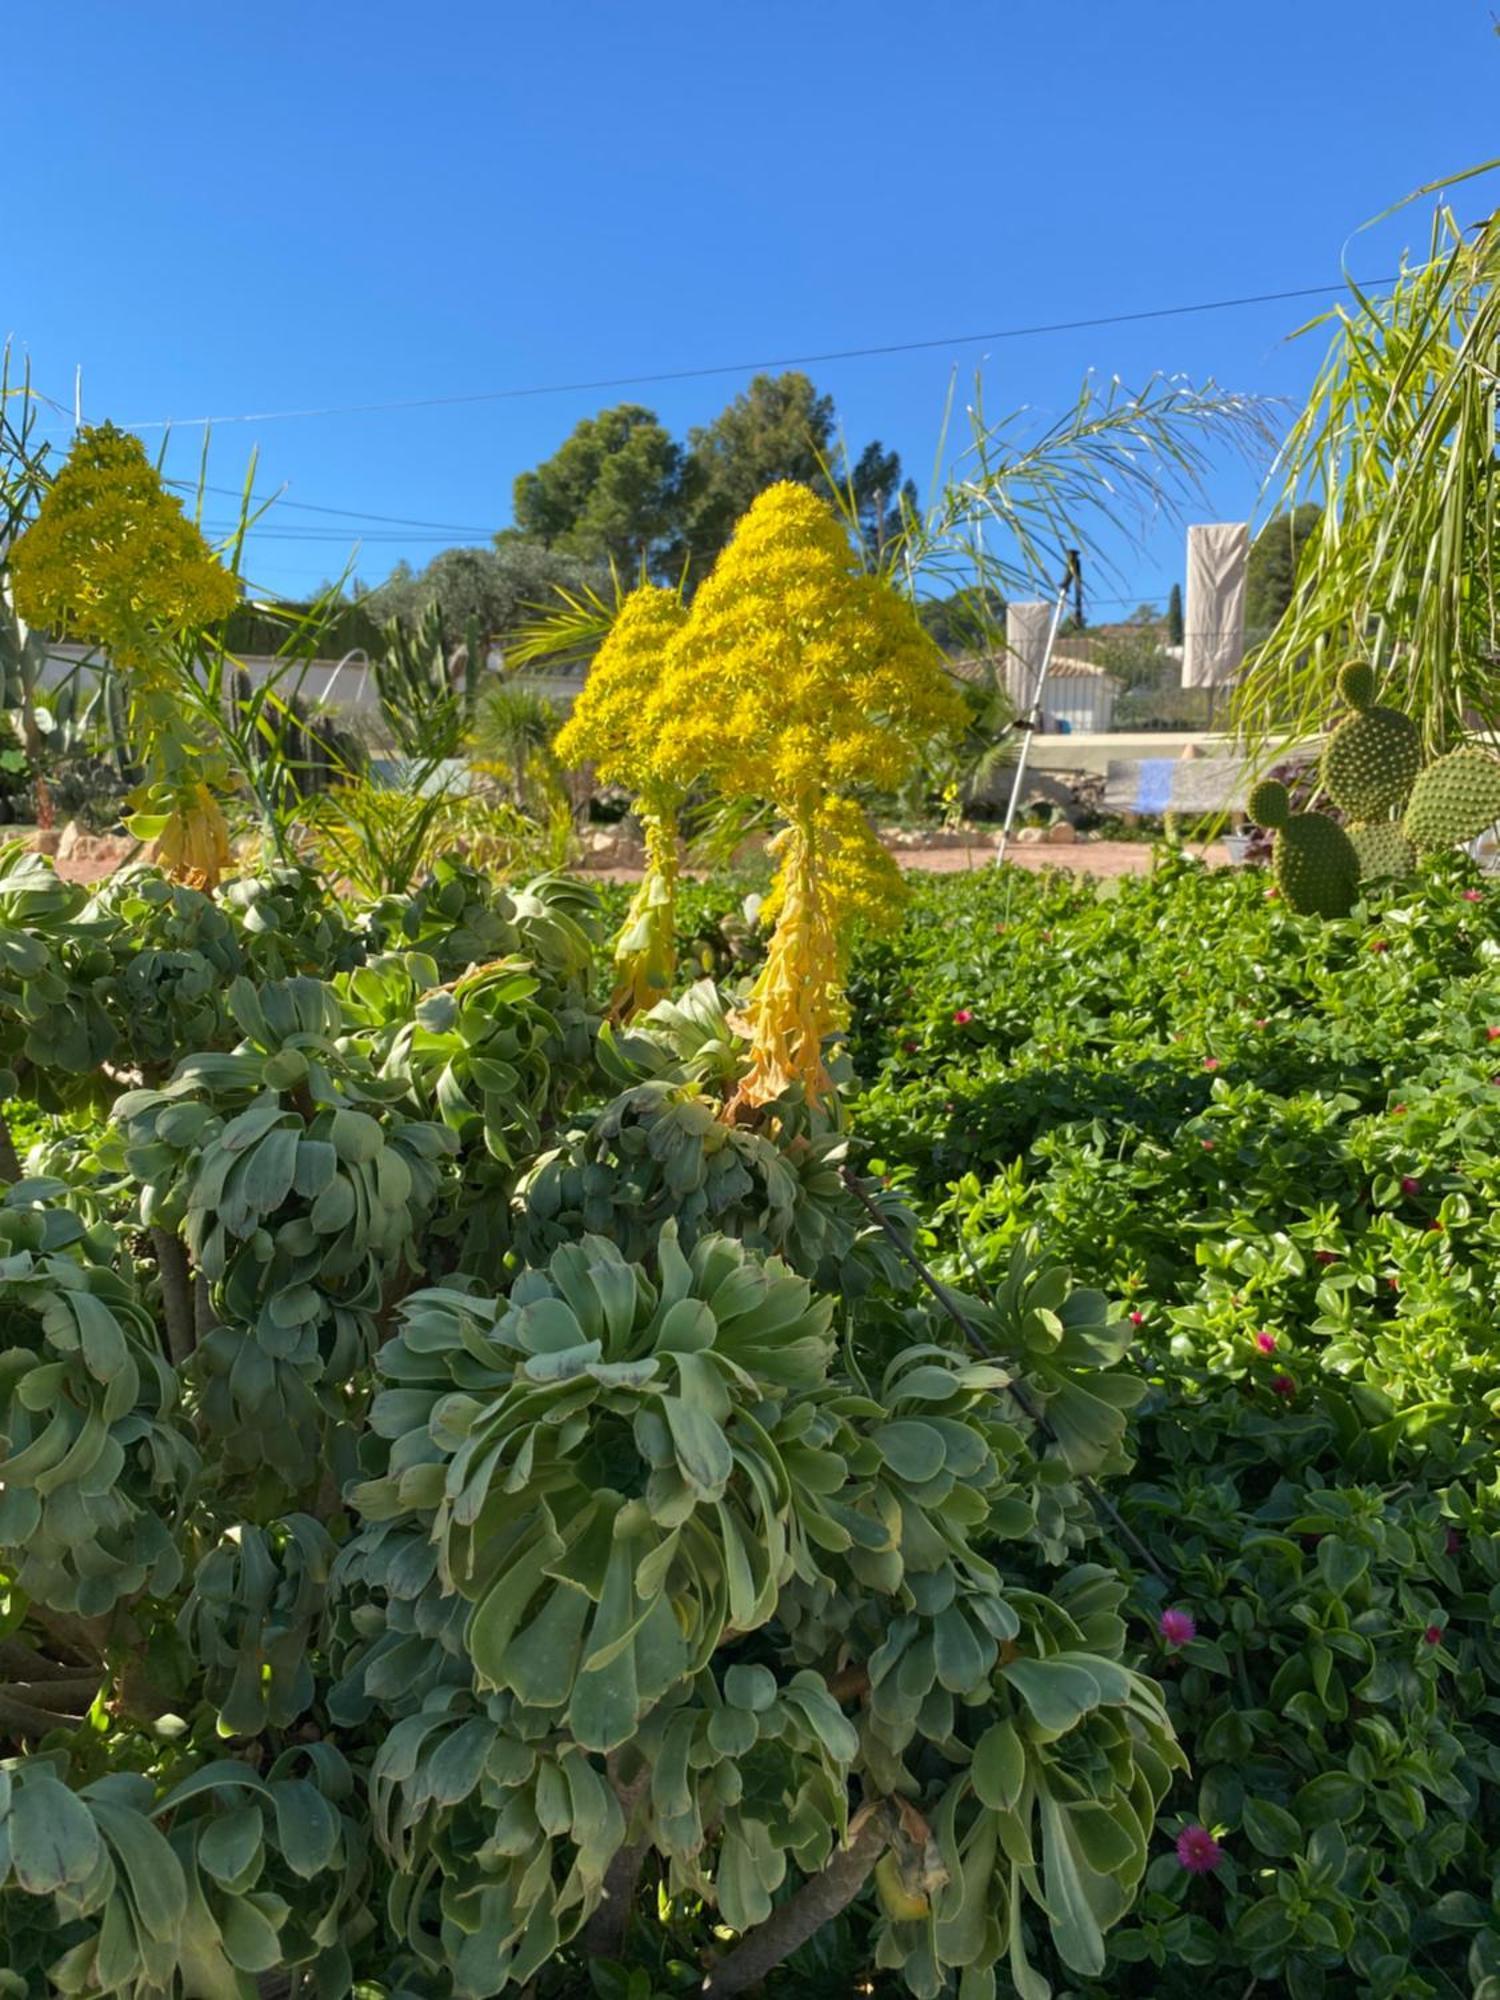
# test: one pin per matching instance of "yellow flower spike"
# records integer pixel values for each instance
(799, 677)
(111, 557)
(612, 727)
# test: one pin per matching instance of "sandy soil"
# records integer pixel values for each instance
(1084, 857)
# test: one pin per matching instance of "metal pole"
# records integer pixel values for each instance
(1032, 720)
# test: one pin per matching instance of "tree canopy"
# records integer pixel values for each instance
(496, 588)
(612, 489)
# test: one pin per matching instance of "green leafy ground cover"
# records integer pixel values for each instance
(1278, 1141)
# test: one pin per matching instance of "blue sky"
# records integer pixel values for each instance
(284, 206)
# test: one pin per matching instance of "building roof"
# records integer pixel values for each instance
(968, 667)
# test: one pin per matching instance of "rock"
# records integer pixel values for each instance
(1061, 835)
(46, 840)
(69, 840)
(1031, 836)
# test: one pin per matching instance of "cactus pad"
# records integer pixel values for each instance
(1382, 850)
(1373, 757)
(1315, 866)
(1269, 803)
(1454, 800)
(1357, 684)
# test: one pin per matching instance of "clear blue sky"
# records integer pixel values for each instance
(284, 206)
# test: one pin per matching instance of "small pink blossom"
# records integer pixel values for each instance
(1210, 1062)
(910, 1048)
(1326, 1256)
(1177, 1627)
(1410, 1185)
(1473, 895)
(962, 1016)
(1137, 1319)
(1207, 1145)
(1380, 944)
(1198, 1851)
(1284, 1386)
(1398, 1110)
(1261, 1022)
(1492, 1033)
(1433, 1636)
(1453, 1541)
(1266, 1342)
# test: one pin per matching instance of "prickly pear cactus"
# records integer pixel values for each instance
(1313, 859)
(1454, 800)
(1373, 757)
(1382, 850)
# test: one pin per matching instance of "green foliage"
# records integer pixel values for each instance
(1278, 1140)
(611, 491)
(493, 589)
(1314, 861)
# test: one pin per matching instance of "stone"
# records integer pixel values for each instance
(69, 840)
(1061, 835)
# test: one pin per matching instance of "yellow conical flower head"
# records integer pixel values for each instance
(193, 846)
(111, 558)
(611, 726)
(796, 673)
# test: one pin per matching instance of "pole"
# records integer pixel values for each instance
(1072, 584)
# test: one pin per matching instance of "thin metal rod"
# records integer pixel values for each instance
(1018, 1393)
(1033, 718)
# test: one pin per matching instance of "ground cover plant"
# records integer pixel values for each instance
(1276, 1140)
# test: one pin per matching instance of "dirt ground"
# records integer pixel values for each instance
(1084, 857)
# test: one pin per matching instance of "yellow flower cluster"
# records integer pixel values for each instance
(615, 727)
(112, 559)
(800, 678)
(193, 845)
(797, 674)
(613, 724)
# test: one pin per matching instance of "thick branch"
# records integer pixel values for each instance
(604, 1934)
(795, 1921)
(176, 1293)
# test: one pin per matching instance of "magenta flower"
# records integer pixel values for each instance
(1261, 1022)
(1492, 1033)
(1410, 1185)
(910, 1048)
(1266, 1342)
(962, 1016)
(1198, 1851)
(1473, 895)
(1210, 1062)
(1207, 1144)
(1137, 1319)
(1453, 1541)
(1177, 1627)
(1284, 1386)
(1433, 1636)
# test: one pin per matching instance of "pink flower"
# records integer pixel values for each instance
(1410, 1185)
(1492, 1033)
(1453, 1541)
(1137, 1319)
(1198, 1851)
(1273, 895)
(1380, 944)
(1210, 1062)
(1266, 1342)
(1473, 895)
(1433, 1636)
(1326, 1256)
(910, 1048)
(1261, 1022)
(962, 1016)
(1398, 1110)
(1284, 1386)
(1177, 1627)
(999, 928)
(1207, 1145)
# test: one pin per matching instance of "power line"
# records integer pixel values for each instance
(309, 507)
(751, 367)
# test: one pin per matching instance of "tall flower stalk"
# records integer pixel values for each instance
(112, 559)
(613, 726)
(801, 679)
